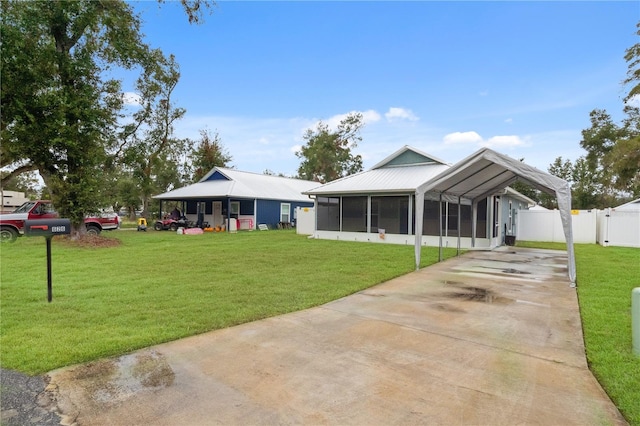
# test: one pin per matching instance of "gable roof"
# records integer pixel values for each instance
(401, 172)
(222, 182)
(408, 156)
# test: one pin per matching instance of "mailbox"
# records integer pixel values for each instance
(47, 227)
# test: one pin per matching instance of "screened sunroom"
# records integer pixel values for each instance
(379, 205)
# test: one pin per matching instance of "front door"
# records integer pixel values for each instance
(217, 213)
(496, 234)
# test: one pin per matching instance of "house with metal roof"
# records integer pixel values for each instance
(225, 195)
(379, 205)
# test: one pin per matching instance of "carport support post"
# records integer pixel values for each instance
(635, 320)
(440, 230)
(474, 222)
(459, 223)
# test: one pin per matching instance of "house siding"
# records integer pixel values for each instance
(269, 211)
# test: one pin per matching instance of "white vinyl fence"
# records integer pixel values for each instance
(619, 228)
(545, 225)
(608, 227)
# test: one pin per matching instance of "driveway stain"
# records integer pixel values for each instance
(109, 382)
(478, 294)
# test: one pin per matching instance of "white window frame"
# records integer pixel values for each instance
(288, 213)
(235, 207)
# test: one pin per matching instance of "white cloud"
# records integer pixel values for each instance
(400, 114)
(131, 98)
(462, 137)
(509, 120)
(504, 142)
(258, 143)
(484, 93)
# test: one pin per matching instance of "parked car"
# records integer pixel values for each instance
(12, 224)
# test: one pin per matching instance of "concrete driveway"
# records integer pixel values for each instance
(487, 338)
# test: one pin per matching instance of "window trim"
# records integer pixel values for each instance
(288, 212)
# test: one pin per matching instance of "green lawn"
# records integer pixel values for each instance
(606, 276)
(158, 286)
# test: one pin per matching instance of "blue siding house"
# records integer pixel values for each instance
(249, 199)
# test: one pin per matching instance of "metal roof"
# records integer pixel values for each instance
(630, 206)
(238, 184)
(403, 179)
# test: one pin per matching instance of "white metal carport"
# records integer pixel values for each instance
(483, 174)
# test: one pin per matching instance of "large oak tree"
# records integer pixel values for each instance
(60, 103)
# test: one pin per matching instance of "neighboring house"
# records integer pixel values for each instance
(630, 206)
(379, 205)
(249, 198)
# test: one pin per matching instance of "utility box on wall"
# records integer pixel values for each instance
(305, 220)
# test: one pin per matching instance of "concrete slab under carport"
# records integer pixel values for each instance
(486, 338)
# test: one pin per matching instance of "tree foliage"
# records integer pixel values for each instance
(327, 155)
(632, 56)
(210, 153)
(147, 147)
(60, 106)
(613, 150)
(584, 180)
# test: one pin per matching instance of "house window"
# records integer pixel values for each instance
(354, 214)
(328, 215)
(481, 225)
(235, 209)
(430, 221)
(392, 214)
(285, 215)
(465, 220)
(451, 219)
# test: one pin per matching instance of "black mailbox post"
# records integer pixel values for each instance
(47, 228)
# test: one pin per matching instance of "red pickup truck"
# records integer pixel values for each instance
(12, 224)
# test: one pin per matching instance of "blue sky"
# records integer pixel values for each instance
(444, 77)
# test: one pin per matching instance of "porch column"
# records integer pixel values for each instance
(368, 214)
(228, 220)
(255, 214)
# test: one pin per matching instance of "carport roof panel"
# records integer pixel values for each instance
(486, 171)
